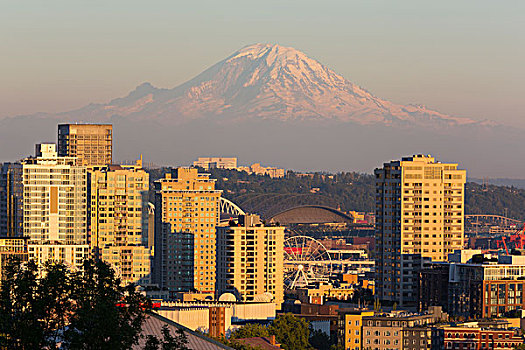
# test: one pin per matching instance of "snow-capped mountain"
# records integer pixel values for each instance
(268, 82)
(274, 105)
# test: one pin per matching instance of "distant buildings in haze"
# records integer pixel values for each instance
(231, 163)
(216, 162)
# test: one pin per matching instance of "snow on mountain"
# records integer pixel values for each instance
(265, 82)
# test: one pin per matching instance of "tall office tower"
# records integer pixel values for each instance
(250, 260)
(186, 213)
(92, 144)
(55, 193)
(11, 197)
(419, 214)
(119, 220)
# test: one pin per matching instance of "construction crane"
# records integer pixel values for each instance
(502, 242)
(516, 240)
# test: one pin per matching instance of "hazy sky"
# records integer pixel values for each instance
(460, 57)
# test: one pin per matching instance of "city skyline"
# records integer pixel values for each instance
(297, 175)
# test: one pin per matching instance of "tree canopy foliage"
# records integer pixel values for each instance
(291, 332)
(57, 308)
(498, 200)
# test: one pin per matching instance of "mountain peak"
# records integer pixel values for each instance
(271, 82)
(276, 57)
(256, 51)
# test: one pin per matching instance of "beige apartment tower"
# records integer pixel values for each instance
(250, 260)
(92, 144)
(55, 207)
(419, 215)
(119, 220)
(186, 213)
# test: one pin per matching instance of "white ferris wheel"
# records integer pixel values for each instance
(306, 261)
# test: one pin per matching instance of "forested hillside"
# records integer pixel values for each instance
(355, 191)
(492, 199)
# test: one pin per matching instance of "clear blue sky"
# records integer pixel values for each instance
(464, 58)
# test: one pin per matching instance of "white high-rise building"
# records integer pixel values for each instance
(55, 207)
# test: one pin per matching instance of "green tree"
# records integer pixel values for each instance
(52, 307)
(291, 332)
(107, 315)
(55, 290)
(20, 314)
(338, 346)
(320, 340)
(34, 305)
(250, 330)
(234, 343)
(169, 342)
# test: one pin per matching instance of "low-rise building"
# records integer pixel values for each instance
(72, 255)
(481, 288)
(474, 335)
(12, 248)
(216, 162)
(351, 328)
(364, 329)
(321, 317)
(401, 331)
(257, 169)
(433, 285)
(216, 317)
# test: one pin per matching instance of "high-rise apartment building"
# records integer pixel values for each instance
(11, 197)
(250, 260)
(119, 220)
(55, 207)
(216, 162)
(186, 213)
(419, 214)
(92, 144)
